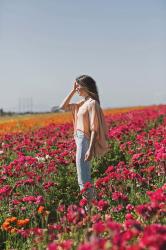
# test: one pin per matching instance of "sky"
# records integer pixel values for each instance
(46, 44)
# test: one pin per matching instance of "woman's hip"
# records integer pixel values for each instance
(81, 138)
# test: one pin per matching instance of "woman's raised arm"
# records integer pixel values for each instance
(65, 104)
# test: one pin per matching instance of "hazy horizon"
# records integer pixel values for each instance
(45, 45)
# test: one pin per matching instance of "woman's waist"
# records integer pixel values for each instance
(78, 132)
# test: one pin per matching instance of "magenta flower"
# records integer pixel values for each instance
(83, 202)
(52, 246)
(99, 227)
(102, 205)
(129, 207)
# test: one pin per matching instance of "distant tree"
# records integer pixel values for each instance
(1, 112)
(55, 109)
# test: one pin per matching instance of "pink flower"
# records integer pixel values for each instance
(102, 205)
(134, 224)
(99, 227)
(95, 218)
(87, 185)
(129, 216)
(158, 196)
(126, 236)
(66, 245)
(47, 185)
(74, 214)
(83, 202)
(154, 237)
(52, 246)
(136, 156)
(119, 196)
(109, 169)
(25, 233)
(61, 208)
(16, 202)
(55, 227)
(39, 199)
(118, 208)
(29, 199)
(5, 190)
(129, 207)
(85, 246)
(114, 226)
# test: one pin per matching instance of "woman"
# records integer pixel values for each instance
(90, 131)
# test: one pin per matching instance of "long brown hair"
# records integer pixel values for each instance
(90, 86)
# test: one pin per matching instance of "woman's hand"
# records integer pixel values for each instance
(75, 87)
(88, 155)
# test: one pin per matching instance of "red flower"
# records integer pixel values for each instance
(158, 196)
(119, 196)
(85, 246)
(52, 246)
(109, 169)
(95, 218)
(154, 237)
(61, 208)
(83, 202)
(86, 186)
(99, 227)
(66, 245)
(102, 205)
(129, 207)
(128, 216)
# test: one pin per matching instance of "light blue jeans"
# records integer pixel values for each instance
(83, 167)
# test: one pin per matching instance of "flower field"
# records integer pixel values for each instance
(40, 203)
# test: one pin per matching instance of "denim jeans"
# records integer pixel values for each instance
(83, 167)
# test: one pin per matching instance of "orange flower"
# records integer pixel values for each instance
(21, 223)
(40, 209)
(12, 219)
(6, 225)
(10, 224)
(13, 230)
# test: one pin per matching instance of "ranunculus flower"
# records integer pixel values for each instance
(102, 205)
(99, 227)
(83, 202)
